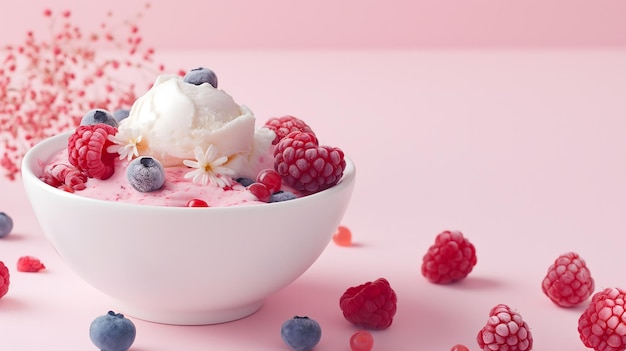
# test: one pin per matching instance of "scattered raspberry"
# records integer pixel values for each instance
(4, 279)
(64, 177)
(87, 150)
(29, 264)
(371, 305)
(450, 259)
(505, 331)
(602, 325)
(568, 281)
(305, 165)
(285, 125)
(343, 236)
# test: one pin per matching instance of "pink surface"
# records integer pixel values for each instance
(520, 150)
(349, 24)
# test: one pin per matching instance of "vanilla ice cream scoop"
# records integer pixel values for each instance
(175, 117)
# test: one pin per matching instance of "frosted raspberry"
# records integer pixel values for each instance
(87, 150)
(65, 177)
(602, 326)
(285, 125)
(5, 280)
(29, 264)
(568, 281)
(451, 258)
(505, 331)
(371, 305)
(306, 166)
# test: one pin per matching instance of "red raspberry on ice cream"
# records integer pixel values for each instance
(285, 125)
(602, 326)
(5, 280)
(306, 166)
(568, 281)
(452, 257)
(371, 305)
(505, 331)
(87, 150)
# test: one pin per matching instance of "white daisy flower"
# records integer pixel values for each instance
(209, 168)
(126, 141)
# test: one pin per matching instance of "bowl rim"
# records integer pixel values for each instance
(29, 176)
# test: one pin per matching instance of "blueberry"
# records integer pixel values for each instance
(245, 181)
(145, 174)
(112, 332)
(6, 224)
(98, 115)
(120, 114)
(280, 196)
(301, 333)
(201, 75)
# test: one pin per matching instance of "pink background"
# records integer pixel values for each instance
(348, 24)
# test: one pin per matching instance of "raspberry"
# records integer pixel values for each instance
(371, 305)
(568, 281)
(64, 177)
(306, 166)
(29, 264)
(505, 331)
(285, 125)
(450, 259)
(602, 325)
(4, 279)
(87, 150)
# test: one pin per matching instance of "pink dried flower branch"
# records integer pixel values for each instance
(46, 85)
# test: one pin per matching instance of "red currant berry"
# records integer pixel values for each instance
(197, 203)
(362, 340)
(459, 347)
(260, 191)
(272, 180)
(343, 236)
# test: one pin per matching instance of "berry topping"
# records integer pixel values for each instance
(197, 203)
(259, 190)
(29, 264)
(244, 181)
(568, 281)
(505, 331)
(285, 125)
(281, 196)
(371, 305)
(602, 325)
(112, 332)
(306, 166)
(451, 258)
(87, 150)
(145, 174)
(361, 340)
(343, 236)
(65, 177)
(271, 179)
(5, 280)
(6, 225)
(120, 114)
(301, 333)
(98, 115)
(201, 75)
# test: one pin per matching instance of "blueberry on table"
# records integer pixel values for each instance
(145, 174)
(112, 332)
(98, 115)
(201, 75)
(301, 333)
(6, 224)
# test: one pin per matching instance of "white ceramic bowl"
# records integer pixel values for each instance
(186, 266)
